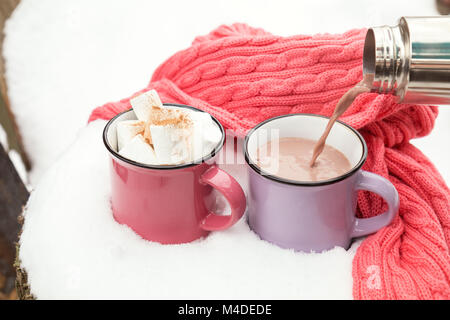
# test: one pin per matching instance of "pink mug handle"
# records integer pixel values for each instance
(384, 188)
(232, 192)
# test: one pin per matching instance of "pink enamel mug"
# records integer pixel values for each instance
(170, 203)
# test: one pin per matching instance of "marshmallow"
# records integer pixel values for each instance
(143, 103)
(140, 151)
(206, 134)
(127, 130)
(171, 143)
(177, 135)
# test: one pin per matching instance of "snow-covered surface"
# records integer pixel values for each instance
(71, 247)
(63, 58)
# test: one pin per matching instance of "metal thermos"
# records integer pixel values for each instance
(411, 60)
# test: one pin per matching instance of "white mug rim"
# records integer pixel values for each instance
(278, 179)
(204, 159)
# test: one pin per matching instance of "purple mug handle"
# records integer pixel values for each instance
(372, 182)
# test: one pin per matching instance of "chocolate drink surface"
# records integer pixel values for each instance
(289, 158)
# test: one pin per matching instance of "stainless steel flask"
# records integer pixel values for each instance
(410, 60)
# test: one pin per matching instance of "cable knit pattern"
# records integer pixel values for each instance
(244, 75)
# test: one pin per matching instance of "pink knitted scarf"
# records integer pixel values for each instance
(243, 75)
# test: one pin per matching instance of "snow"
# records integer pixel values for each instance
(3, 138)
(15, 158)
(63, 58)
(72, 248)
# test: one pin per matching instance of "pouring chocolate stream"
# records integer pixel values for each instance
(343, 104)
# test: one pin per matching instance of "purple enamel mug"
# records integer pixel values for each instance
(312, 216)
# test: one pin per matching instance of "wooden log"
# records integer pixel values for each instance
(13, 196)
(22, 286)
(11, 200)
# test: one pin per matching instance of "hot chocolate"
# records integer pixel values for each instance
(289, 158)
(343, 104)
